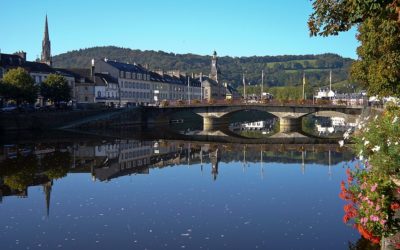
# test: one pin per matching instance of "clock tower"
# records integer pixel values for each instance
(214, 67)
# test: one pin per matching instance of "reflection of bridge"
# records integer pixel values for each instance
(215, 115)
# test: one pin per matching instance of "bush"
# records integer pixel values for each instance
(196, 101)
(180, 102)
(228, 101)
(378, 140)
(164, 103)
(212, 101)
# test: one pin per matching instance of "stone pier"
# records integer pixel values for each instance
(212, 123)
(289, 124)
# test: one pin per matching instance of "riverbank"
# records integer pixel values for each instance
(44, 120)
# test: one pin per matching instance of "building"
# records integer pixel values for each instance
(350, 98)
(212, 88)
(138, 85)
(93, 87)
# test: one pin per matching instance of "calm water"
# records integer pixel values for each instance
(129, 194)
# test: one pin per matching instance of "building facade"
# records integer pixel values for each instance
(140, 86)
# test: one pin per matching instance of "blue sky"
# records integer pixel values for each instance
(235, 28)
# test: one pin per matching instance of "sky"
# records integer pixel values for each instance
(231, 27)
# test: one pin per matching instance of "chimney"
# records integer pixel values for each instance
(21, 54)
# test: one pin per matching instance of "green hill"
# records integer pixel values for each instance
(286, 70)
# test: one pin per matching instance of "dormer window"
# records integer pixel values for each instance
(121, 74)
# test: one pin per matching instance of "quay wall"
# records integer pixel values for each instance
(44, 120)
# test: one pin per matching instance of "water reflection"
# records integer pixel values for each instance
(22, 166)
(255, 129)
(329, 126)
(172, 194)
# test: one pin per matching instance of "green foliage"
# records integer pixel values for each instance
(279, 70)
(56, 89)
(332, 16)
(19, 86)
(378, 66)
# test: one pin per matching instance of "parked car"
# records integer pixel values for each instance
(9, 108)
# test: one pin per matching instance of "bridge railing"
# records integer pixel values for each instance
(224, 102)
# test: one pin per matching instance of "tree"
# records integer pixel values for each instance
(378, 65)
(56, 89)
(19, 86)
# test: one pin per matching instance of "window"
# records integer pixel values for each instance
(121, 74)
(86, 98)
(98, 93)
(86, 88)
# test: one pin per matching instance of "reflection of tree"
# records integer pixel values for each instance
(56, 165)
(19, 172)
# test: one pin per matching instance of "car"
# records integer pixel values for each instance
(9, 108)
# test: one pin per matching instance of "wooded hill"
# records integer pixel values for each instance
(286, 70)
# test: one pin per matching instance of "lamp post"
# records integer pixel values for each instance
(244, 88)
(262, 84)
(188, 81)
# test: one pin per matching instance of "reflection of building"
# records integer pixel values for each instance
(122, 158)
(214, 158)
(332, 125)
(265, 125)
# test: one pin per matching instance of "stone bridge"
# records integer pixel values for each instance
(214, 115)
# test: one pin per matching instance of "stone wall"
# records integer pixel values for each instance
(43, 120)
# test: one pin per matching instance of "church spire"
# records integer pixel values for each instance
(46, 47)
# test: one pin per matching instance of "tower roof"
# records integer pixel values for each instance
(46, 31)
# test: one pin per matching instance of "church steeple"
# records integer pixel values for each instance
(46, 47)
(214, 67)
(47, 191)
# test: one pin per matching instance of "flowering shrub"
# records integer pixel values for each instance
(371, 204)
(371, 191)
(378, 142)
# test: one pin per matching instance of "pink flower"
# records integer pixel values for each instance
(374, 218)
(383, 222)
(364, 220)
(377, 208)
(363, 186)
(373, 188)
